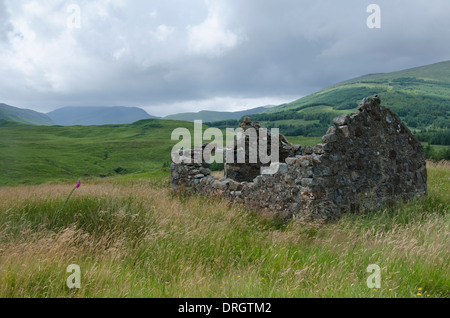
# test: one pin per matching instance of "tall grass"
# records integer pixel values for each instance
(132, 238)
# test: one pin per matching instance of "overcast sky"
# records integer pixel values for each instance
(171, 56)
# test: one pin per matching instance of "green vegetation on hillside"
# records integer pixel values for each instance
(213, 116)
(420, 96)
(25, 116)
(224, 124)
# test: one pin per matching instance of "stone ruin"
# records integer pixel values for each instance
(365, 161)
(248, 171)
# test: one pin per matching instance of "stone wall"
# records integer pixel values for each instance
(248, 171)
(366, 160)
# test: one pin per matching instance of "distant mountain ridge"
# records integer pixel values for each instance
(97, 115)
(25, 116)
(212, 116)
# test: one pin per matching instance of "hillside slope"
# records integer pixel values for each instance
(211, 116)
(26, 116)
(71, 116)
(420, 96)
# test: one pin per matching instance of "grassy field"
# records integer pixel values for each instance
(132, 238)
(36, 154)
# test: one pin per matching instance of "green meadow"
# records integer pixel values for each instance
(36, 154)
(132, 237)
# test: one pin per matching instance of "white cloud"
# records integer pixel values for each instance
(40, 54)
(163, 32)
(45, 55)
(212, 37)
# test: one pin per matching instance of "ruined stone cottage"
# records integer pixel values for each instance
(366, 161)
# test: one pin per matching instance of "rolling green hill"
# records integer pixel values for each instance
(35, 154)
(212, 116)
(420, 96)
(25, 116)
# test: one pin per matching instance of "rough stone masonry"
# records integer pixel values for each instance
(365, 161)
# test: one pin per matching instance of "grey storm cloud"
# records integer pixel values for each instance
(177, 55)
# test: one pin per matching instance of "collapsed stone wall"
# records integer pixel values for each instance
(365, 161)
(248, 171)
